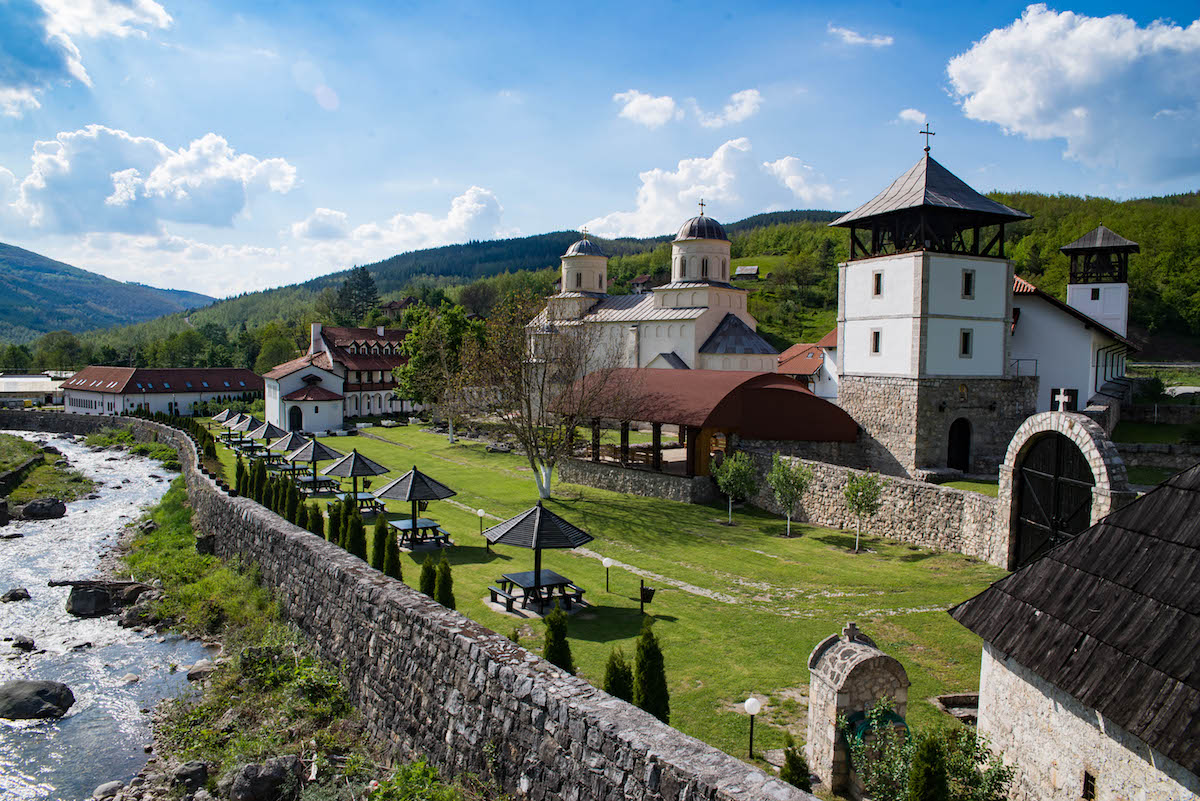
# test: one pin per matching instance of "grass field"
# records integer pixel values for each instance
(759, 602)
(1162, 433)
(43, 481)
(14, 451)
(1149, 475)
(991, 488)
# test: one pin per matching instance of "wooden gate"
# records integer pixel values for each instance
(1054, 484)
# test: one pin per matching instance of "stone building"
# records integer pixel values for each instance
(1089, 684)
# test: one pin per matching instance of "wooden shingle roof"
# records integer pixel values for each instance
(1112, 617)
(1101, 238)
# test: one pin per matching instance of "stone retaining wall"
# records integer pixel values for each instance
(11, 479)
(647, 483)
(430, 681)
(1160, 413)
(1169, 457)
(924, 514)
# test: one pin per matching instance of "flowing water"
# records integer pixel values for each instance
(103, 735)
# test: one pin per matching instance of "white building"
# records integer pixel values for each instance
(815, 364)
(119, 390)
(347, 373)
(697, 321)
(39, 389)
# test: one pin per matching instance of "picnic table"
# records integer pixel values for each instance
(540, 587)
(313, 484)
(280, 466)
(250, 448)
(365, 500)
(426, 531)
(232, 437)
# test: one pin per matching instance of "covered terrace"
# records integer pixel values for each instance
(709, 408)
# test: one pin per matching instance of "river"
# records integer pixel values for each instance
(103, 736)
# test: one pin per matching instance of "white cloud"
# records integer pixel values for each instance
(103, 179)
(852, 37)
(104, 18)
(322, 224)
(475, 214)
(1100, 83)
(731, 181)
(741, 106)
(911, 115)
(648, 110)
(15, 102)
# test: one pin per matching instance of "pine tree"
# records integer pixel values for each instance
(293, 502)
(239, 482)
(428, 582)
(443, 591)
(356, 539)
(928, 779)
(795, 767)
(260, 478)
(618, 675)
(302, 516)
(650, 676)
(335, 523)
(391, 559)
(348, 508)
(379, 536)
(556, 649)
(316, 520)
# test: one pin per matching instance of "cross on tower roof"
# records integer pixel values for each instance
(584, 232)
(926, 133)
(701, 207)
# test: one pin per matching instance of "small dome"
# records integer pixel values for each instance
(585, 247)
(701, 228)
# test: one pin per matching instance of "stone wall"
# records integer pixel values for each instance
(609, 476)
(884, 409)
(1169, 457)
(1052, 739)
(1160, 413)
(11, 479)
(430, 681)
(913, 511)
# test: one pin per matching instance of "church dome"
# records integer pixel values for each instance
(701, 228)
(584, 247)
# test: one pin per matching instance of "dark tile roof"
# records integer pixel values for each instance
(314, 451)
(701, 228)
(734, 336)
(675, 360)
(930, 185)
(289, 443)
(584, 247)
(1101, 238)
(157, 381)
(354, 464)
(537, 527)
(266, 431)
(1112, 617)
(414, 486)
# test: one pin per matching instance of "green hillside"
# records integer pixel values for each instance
(42, 295)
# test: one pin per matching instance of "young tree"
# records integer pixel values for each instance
(239, 472)
(928, 779)
(379, 538)
(736, 478)
(335, 522)
(618, 675)
(293, 502)
(356, 539)
(527, 372)
(789, 481)
(863, 494)
(316, 520)
(556, 649)
(430, 376)
(302, 515)
(795, 767)
(391, 559)
(443, 589)
(428, 581)
(650, 675)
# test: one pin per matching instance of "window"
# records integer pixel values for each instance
(724, 269)
(316, 409)
(965, 343)
(968, 284)
(600, 281)
(876, 340)
(204, 384)
(877, 284)
(165, 384)
(1095, 293)
(1089, 787)
(578, 280)
(704, 268)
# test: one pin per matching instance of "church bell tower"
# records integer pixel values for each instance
(1099, 281)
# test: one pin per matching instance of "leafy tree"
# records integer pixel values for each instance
(443, 590)
(478, 298)
(736, 477)
(650, 675)
(883, 758)
(556, 649)
(618, 675)
(428, 581)
(976, 773)
(379, 538)
(391, 560)
(274, 351)
(928, 779)
(433, 349)
(59, 350)
(863, 494)
(16, 357)
(789, 481)
(356, 539)
(795, 767)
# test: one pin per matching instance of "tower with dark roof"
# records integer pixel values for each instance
(924, 311)
(1099, 278)
(583, 279)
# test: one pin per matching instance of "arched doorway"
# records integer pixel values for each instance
(1053, 489)
(958, 453)
(295, 419)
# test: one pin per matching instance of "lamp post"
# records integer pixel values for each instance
(487, 545)
(607, 564)
(752, 706)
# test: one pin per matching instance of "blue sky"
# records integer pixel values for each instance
(223, 147)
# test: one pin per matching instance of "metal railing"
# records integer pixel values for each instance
(1020, 367)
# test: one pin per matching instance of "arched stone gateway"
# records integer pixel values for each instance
(1061, 474)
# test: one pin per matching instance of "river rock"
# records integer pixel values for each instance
(107, 790)
(23, 643)
(274, 780)
(201, 670)
(89, 601)
(4, 516)
(191, 776)
(206, 544)
(15, 594)
(43, 509)
(12, 535)
(29, 700)
(131, 678)
(51, 449)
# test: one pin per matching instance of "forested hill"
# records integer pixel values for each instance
(41, 295)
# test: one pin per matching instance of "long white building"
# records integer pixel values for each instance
(120, 390)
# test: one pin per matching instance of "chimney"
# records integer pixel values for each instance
(379, 331)
(314, 345)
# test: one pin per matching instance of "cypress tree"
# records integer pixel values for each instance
(650, 676)
(348, 509)
(293, 501)
(348, 523)
(335, 523)
(316, 520)
(302, 516)
(239, 472)
(356, 538)
(928, 779)
(428, 582)
(795, 767)
(260, 478)
(379, 536)
(556, 650)
(391, 559)
(618, 675)
(443, 591)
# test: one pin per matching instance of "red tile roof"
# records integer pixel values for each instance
(340, 337)
(131, 380)
(361, 361)
(801, 359)
(320, 360)
(312, 393)
(829, 340)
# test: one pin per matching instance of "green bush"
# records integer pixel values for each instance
(556, 649)
(443, 591)
(428, 581)
(316, 520)
(650, 675)
(391, 560)
(356, 537)
(795, 767)
(335, 523)
(418, 781)
(927, 779)
(302, 516)
(618, 675)
(379, 537)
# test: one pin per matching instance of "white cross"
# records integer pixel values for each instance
(1059, 400)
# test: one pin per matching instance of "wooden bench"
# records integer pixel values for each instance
(496, 592)
(573, 593)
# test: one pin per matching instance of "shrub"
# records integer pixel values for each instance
(618, 675)
(391, 560)
(650, 675)
(316, 520)
(302, 516)
(356, 537)
(428, 581)
(335, 523)
(927, 779)
(795, 767)
(379, 536)
(556, 649)
(443, 591)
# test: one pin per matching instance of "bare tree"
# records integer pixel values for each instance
(529, 370)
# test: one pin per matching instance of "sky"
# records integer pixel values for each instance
(225, 147)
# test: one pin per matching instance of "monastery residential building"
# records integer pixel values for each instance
(120, 390)
(697, 321)
(346, 373)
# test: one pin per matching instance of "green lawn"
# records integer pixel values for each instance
(1149, 475)
(991, 488)
(778, 597)
(14, 451)
(1162, 433)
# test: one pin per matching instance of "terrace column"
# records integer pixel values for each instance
(595, 439)
(656, 464)
(690, 434)
(624, 442)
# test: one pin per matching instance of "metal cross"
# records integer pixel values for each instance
(926, 133)
(584, 232)
(701, 207)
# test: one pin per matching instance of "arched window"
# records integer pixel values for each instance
(600, 281)
(682, 267)
(704, 268)
(578, 280)
(724, 269)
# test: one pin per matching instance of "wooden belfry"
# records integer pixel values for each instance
(1100, 257)
(928, 208)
